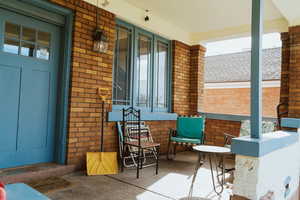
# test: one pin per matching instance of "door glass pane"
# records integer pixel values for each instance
(122, 71)
(11, 46)
(43, 53)
(44, 38)
(28, 34)
(160, 90)
(12, 31)
(27, 49)
(143, 71)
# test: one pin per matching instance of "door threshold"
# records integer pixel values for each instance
(34, 172)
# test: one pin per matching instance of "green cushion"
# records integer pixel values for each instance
(190, 127)
(185, 140)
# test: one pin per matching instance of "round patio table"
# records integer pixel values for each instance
(213, 152)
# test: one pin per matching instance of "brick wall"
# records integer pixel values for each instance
(197, 78)
(237, 101)
(290, 82)
(188, 71)
(294, 72)
(181, 78)
(92, 70)
(285, 63)
(215, 129)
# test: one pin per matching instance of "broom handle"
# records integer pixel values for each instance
(102, 127)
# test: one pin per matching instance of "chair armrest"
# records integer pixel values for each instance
(229, 135)
(228, 138)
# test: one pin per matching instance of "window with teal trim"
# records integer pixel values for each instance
(122, 69)
(161, 76)
(142, 70)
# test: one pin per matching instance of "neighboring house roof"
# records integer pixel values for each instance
(236, 67)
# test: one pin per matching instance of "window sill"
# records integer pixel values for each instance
(231, 117)
(115, 116)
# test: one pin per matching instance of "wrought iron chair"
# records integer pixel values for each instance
(129, 160)
(189, 133)
(137, 141)
(267, 126)
(227, 143)
(281, 112)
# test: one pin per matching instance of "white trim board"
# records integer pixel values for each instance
(266, 84)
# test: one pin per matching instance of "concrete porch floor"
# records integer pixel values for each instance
(172, 182)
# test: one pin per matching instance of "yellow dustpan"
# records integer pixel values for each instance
(101, 163)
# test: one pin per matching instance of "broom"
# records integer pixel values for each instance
(101, 163)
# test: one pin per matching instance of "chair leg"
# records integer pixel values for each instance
(138, 163)
(157, 159)
(174, 150)
(142, 159)
(169, 149)
(123, 158)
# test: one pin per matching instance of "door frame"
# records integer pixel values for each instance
(62, 17)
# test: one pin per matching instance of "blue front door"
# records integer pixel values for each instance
(29, 61)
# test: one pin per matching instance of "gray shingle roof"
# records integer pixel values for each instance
(236, 67)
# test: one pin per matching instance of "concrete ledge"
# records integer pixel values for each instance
(115, 116)
(259, 147)
(290, 122)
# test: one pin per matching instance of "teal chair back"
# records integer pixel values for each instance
(190, 127)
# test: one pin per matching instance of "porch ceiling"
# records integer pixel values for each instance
(194, 21)
(290, 10)
(205, 15)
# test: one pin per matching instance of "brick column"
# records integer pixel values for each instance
(197, 78)
(181, 78)
(285, 63)
(294, 72)
(187, 78)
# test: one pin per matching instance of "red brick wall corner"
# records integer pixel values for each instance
(294, 72)
(285, 63)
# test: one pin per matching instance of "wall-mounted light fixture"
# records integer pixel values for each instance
(100, 40)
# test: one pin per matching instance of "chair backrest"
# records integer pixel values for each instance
(190, 127)
(281, 112)
(129, 125)
(132, 118)
(267, 127)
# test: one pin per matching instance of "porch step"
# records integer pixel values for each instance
(34, 172)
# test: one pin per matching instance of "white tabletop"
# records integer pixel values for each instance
(211, 149)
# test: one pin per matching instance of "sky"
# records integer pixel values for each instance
(270, 40)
